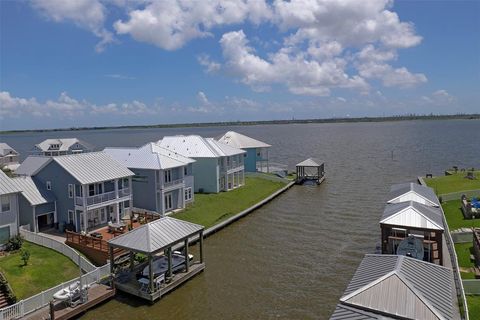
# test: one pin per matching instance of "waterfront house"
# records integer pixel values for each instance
(256, 156)
(8, 157)
(217, 167)
(163, 179)
(91, 188)
(398, 287)
(425, 223)
(8, 208)
(37, 205)
(413, 192)
(58, 147)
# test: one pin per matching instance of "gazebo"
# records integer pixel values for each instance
(164, 268)
(310, 170)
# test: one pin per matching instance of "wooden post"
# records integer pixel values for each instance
(132, 260)
(200, 237)
(169, 271)
(150, 272)
(187, 263)
(52, 310)
(110, 249)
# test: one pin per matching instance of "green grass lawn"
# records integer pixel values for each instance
(453, 183)
(464, 250)
(454, 216)
(210, 209)
(473, 303)
(46, 268)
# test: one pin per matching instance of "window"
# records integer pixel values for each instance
(71, 216)
(168, 176)
(5, 201)
(168, 201)
(188, 194)
(91, 190)
(70, 190)
(4, 234)
(49, 185)
(185, 171)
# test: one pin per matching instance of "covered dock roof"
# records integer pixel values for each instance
(413, 214)
(156, 235)
(413, 192)
(402, 287)
(309, 163)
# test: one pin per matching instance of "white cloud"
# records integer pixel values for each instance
(202, 98)
(438, 98)
(119, 76)
(210, 66)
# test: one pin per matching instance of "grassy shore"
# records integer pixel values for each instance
(454, 216)
(210, 209)
(454, 183)
(46, 268)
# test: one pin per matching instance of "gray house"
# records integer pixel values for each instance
(58, 147)
(163, 179)
(217, 167)
(398, 287)
(91, 188)
(37, 205)
(8, 157)
(8, 208)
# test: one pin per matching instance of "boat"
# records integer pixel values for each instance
(160, 264)
(72, 292)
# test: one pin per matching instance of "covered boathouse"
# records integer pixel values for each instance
(310, 170)
(164, 269)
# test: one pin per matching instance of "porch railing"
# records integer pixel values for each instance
(103, 197)
(171, 184)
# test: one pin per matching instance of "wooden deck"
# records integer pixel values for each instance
(96, 295)
(132, 286)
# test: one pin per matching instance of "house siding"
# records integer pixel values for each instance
(144, 189)
(9, 218)
(206, 173)
(250, 161)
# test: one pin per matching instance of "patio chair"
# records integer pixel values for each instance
(135, 217)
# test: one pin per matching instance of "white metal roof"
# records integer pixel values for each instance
(401, 286)
(309, 163)
(64, 144)
(156, 235)
(35, 193)
(241, 141)
(413, 192)
(5, 149)
(195, 146)
(413, 214)
(31, 165)
(150, 156)
(93, 167)
(7, 186)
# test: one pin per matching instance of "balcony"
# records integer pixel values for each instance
(103, 197)
(178, 183)
(234, 167)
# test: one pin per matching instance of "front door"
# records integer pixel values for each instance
(103, 216)
(168, 201)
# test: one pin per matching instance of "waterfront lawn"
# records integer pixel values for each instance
(46, 268)
(464, 250)
(454, 216)
(210, 209)
(453, 183)
(473, 303)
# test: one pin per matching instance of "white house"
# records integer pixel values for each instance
(8, 157)
(58, 147)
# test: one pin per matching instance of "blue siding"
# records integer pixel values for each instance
(25, 211)
(144, 192)
(205, 172)
(250, 161)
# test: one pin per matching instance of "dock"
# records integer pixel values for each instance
(310, 170)
(96, 295)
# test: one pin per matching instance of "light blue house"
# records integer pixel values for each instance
(217, 167)
(91, 188)
(163, 179)
(9, 194)
(256, 157)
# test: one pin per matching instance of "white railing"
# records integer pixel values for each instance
(172, 183)
(102, 197)
(125, 192)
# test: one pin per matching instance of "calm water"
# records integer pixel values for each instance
(293, 258)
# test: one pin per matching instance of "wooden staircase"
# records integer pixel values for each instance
(3, 300)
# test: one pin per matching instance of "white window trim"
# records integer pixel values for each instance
(49, 185)
(188, 194)
(70, 191)
(72, 213)
(7, 197)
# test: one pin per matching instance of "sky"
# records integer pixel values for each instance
(134, 62)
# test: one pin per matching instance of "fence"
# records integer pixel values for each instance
(462, 236)
(42, 299)
(471, 286)
(58, 246)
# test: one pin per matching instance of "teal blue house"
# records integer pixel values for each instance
(256, 156)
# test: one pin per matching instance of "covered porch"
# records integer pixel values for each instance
(163, 268)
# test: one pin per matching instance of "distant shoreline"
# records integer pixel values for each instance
(253, 123)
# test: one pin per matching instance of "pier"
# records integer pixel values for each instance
(310, 170)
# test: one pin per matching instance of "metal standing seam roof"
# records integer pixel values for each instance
(224, 149)
(34, 192)
(65, 144)
(344, 312)
(413, 214)
(194, 146)
(241, 141)
(7, 186)
(31, 165)
(5, 149)
(92, 167)
(149, 156)
(401, 286)
(309, 163)
(156, 235)
(399, 190)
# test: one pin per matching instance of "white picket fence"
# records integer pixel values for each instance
(91, 276)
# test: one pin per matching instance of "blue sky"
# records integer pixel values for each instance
(122, 62)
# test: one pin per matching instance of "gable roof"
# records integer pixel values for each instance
(402, 287)
(31, 165)
(7, 186)
(309, 163)
(34, 192)
(344, 312)
(413, 214)
(241, 141)
(5, 149)
(150, 156)
(195, 146)
(92, 167)
(64, 144)
(156, 235)
(402, 190)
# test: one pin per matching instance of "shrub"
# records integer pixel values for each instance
(25, 256)
(15, 243)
